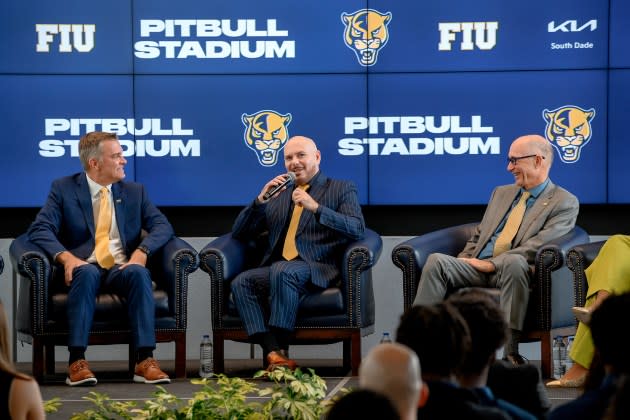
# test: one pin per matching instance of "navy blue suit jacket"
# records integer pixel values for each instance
(321, 238)
(66, 222)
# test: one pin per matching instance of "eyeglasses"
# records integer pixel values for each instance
(513, 160)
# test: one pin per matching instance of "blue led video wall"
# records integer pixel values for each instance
(417, 102)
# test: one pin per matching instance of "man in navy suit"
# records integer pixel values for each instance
(330, 218)
(67, 228)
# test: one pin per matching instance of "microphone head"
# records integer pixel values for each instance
(291, 176)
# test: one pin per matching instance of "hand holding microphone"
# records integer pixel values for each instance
(276, 185)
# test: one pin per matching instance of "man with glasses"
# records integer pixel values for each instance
(519, 219)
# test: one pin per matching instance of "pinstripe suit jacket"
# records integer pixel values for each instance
(552, 215)
(321, 238)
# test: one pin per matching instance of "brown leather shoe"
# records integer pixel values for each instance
(276, 359)
(148, 372)
(79, 373)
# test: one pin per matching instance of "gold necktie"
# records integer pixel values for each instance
(104, 258)
(504, 240)
(289, 251)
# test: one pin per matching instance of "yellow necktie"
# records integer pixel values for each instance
(504, 241)
(104, 258)
(289, 251)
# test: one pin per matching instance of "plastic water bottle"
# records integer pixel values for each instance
(386, 338)
(559, 352)
(568, 362)
(205, 357)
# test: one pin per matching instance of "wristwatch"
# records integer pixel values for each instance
(144, 249)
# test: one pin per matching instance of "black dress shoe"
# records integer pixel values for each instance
(515, 359)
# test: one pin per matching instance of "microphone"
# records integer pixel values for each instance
(290, 179)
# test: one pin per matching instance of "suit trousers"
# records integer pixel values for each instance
(444, 274)
(133, 283)
(277, 287)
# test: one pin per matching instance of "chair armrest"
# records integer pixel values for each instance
(171, 266)
(578, 259)
(551, 285)
(364, 253)
(356, 275)
(223, 258)
(410, 256)
(552, 255)
(33, 268)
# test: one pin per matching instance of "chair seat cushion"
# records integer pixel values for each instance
(109, 307)
(322, 302)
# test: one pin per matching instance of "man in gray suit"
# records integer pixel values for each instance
(488, 259)
(307, 229)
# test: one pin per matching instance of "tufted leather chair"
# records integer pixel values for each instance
(41, 313)
(578, 259)
(344, 312)
(549, 310)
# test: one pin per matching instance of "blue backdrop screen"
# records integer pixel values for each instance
(416, 102)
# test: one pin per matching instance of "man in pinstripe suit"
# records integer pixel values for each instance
(330, 218)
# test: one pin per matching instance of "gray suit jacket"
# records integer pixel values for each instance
(552, 215)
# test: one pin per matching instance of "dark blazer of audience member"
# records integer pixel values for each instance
(362, 404)
(440, 337)
(611, 346)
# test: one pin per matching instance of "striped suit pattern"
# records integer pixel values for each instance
(320, 241)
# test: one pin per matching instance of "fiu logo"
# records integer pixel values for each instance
(77, 37)
(366, 33)
(482, 35)
(568, 130)
(266, 134)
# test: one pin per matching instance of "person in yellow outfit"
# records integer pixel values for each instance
(609, 273)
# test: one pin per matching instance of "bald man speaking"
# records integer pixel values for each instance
(309, 220)
(519, 219)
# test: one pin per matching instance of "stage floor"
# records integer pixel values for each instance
(115, 383)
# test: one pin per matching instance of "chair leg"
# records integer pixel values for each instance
(131, 366)
(180, 356)
(355, 357)
(49, 359)
(217, 356)
(38, 360)
(347, 354)
(545, 355)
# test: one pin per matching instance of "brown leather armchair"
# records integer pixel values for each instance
(549, 310)
(41, 311)
(344, 312)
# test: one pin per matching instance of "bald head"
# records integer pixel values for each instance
(532, 155)
(393, 370)
(537, 144)
(302, 158)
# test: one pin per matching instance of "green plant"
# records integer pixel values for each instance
(293, 395)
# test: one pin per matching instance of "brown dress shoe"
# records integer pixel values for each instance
(276, 359)
(79, 373)
(148, 372)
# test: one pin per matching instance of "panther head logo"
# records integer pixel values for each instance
(366, 33)
(266, 134)
(568, 130)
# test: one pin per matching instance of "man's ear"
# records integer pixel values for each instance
(424, 395)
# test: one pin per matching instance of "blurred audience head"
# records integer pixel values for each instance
(393, 370)
(439, 336)
(487, 326)
(607, 328)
